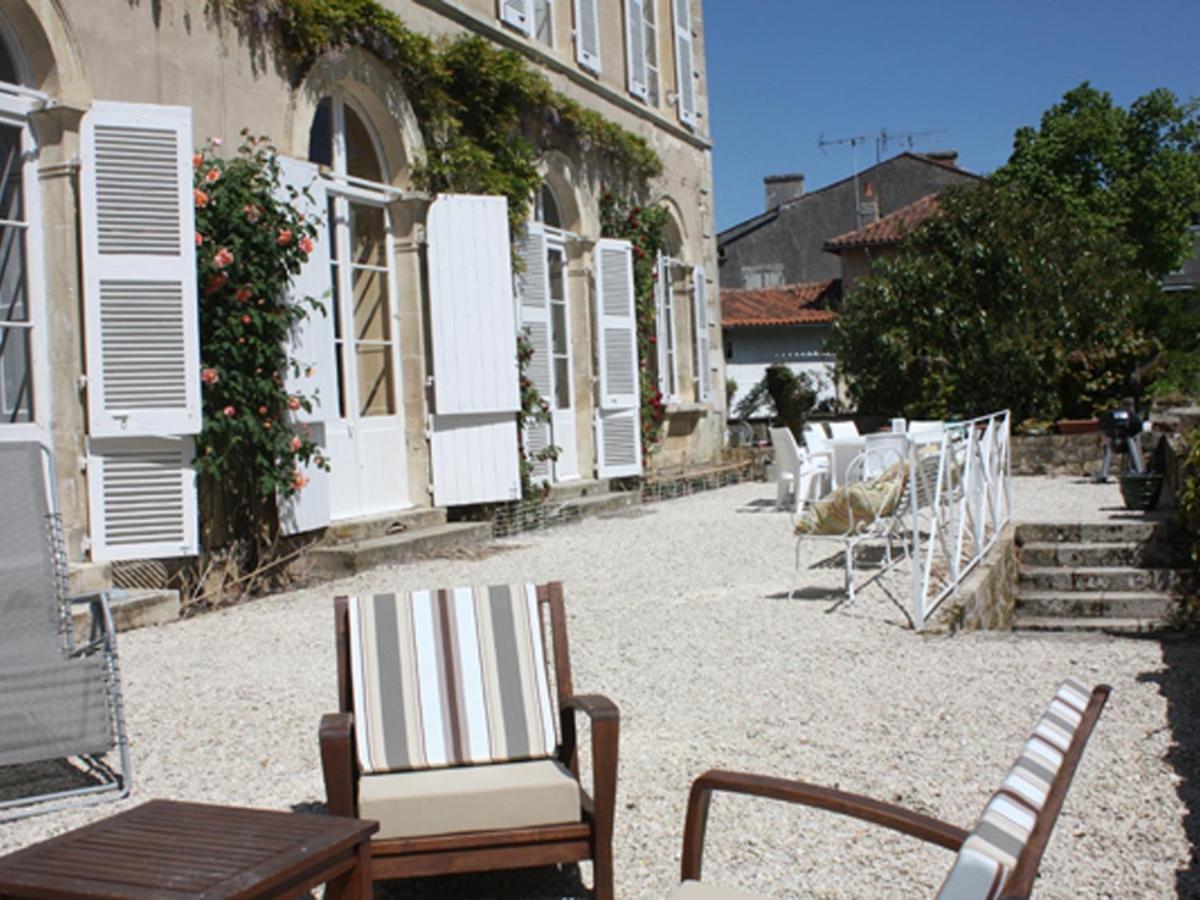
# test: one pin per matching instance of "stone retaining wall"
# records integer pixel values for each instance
(1057, 454)
(987, 598)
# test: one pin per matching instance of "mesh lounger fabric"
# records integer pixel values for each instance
(54, 710)
(449, 677)
(990, 852)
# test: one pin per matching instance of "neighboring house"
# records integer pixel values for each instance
(101, 105)
(861, 248)
(785, 244)
(1187, 276)
(788, 325)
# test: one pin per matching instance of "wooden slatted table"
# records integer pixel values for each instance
(171, 850)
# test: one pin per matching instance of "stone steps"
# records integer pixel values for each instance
(357, 556)
(130, 609)
(1117, 577)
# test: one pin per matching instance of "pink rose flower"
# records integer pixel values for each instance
(252, 213)
(215, 283)
(293, 403)
(216, 141)
(230, 411)
(199, 239)
(306, 245)
(299, 480)
(297, 443)
(285, 237)
(262, 410)
(212, 175)
(197, 160)
(222, 258)
(266, 424)
(245, 320)
(199, 198)
(243, 294)
(209, 376)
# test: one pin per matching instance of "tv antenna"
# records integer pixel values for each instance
(883, 139)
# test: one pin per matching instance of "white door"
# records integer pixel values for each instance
(562, 406)
(367, 459)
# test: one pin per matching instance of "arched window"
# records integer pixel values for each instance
(363, 305)
(546, 208)
(21, 388)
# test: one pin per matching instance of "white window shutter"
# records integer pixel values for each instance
(618, 422)
(142, 498)
(685, 77)
(664, 337)
(700, 323)
(587, 35)
(519, 14)
(635, 47)
(534, 307)
(311, 345)
(139, 266)
(472, 326)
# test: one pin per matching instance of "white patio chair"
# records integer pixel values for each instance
(844, 429)
(883, 444)
(860, 510)
(801, 475)
(922, 426)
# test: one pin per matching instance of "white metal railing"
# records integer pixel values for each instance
(961, 499)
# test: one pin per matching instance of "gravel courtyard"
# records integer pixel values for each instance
(679, 612)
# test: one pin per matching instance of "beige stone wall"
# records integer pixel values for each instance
(174, 52)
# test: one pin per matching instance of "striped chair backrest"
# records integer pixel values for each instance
(448, 678)
(989, 854)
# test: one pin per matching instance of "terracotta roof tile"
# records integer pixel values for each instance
(888, 230)
(786, 304)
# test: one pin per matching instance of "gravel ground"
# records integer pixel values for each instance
(679, 612)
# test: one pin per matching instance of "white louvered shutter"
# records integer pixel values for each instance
(518, 13)
(142, 498)
(635, 47)
(587, 35)
(534, 308)
(664, 337)
(685, 77)
(311, 344)
(700, 323)
(139, 266)
(472, 326)
(618, 422)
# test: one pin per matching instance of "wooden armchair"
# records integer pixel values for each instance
(999, 858)
(455, 783)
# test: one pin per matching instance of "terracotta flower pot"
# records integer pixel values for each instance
(1077, 426)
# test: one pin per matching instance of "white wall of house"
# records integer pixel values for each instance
(749, 351)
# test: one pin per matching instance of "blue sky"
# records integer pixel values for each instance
(783, 72)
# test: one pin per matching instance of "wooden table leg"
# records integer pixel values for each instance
(354, 884)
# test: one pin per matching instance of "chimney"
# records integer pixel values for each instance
(782, 188)
(949, 157)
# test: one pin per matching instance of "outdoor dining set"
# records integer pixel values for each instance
(454, 747)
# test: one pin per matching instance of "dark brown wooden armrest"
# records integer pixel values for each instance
(337, 763)
(877, 812)
(606, 723)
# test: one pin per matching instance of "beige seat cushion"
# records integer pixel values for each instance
(702, 890)
(471, 798)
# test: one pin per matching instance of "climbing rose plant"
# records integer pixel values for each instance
(251, 241)
(643, 228)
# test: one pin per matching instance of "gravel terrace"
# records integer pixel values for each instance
(679, 612)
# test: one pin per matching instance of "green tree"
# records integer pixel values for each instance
(1004, 300)
(1134, 171)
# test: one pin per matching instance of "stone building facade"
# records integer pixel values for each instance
(399, 430)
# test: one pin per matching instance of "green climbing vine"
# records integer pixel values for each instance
(644, 228)
(485, 114)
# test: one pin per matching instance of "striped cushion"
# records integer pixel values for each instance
(449, 677)
(990, 852)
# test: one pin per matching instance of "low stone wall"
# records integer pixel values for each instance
(987, 598)
(1057, 454)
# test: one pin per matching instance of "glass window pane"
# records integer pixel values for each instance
(558, 327)
(557, 291)
(368, 231)
(543, 22)
(320, 135)
(549, 212)
(12, 190)
(562, 383)
(13, 304)
(16, 386)
(371, 321)
(376, 396)
(361, 159)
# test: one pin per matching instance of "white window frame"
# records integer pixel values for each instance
(586, 58)
(15, 106)
(517, 14)
(550, 16)
(665, 334)
(635, 24)
(650, 49)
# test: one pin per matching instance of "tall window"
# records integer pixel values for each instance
(650, 29)
(543, 21)
(360, 226)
